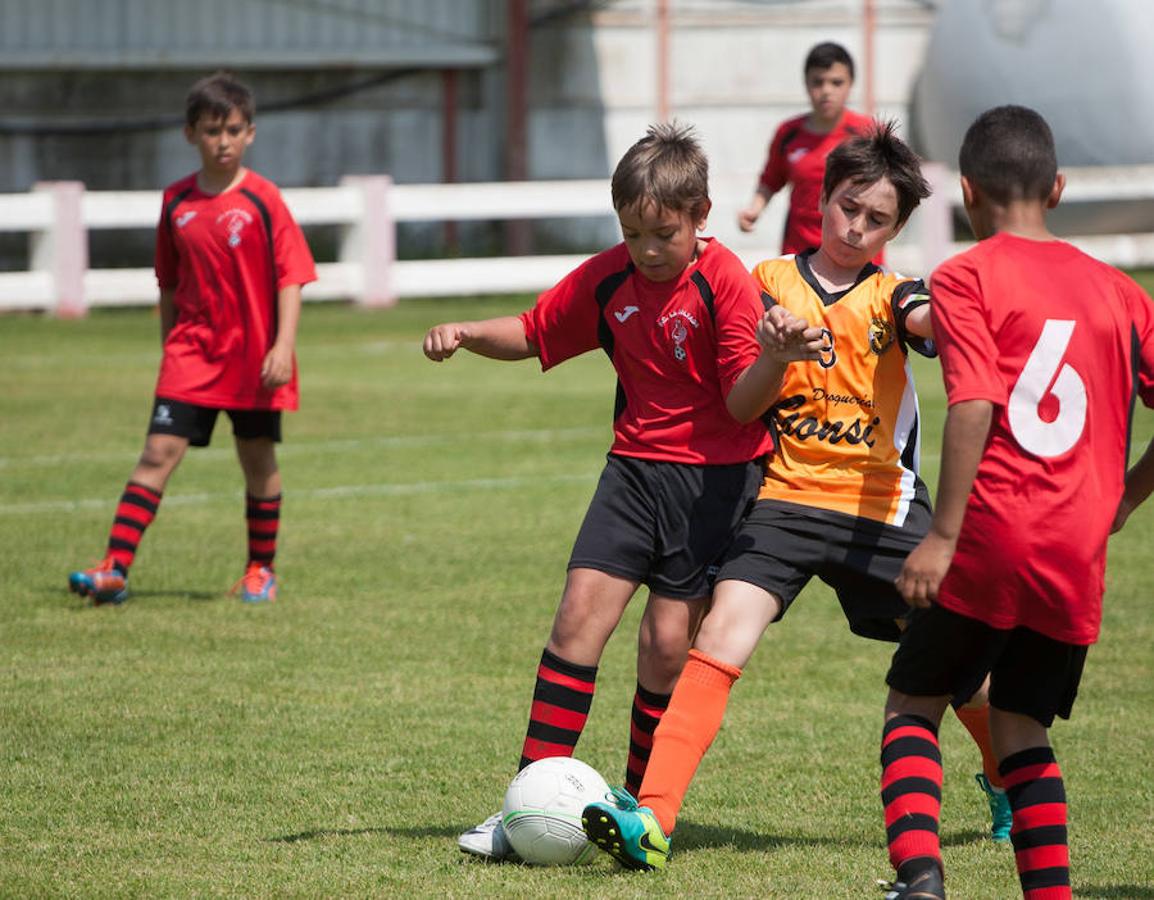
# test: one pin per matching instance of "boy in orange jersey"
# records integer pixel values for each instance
(1044, 352)
(841, 499)
(800, 146)
(677, 315)
(230, 262)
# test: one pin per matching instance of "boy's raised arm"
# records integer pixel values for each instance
(500, 338)
(784, 338)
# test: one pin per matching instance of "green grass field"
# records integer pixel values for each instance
(335, 743)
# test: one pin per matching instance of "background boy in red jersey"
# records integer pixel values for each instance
(1044, 350)
(676, 315)
(230, 262)
(800, 146)
(841, 499)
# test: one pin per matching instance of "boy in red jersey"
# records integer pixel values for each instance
(1044, 351)
(230, 262)
(841, 499)
(676, 315)
(800, 146)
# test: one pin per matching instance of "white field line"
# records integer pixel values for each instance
(341, 490)
(302, 448)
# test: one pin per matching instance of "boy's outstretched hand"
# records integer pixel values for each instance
(442, 341)
(277, 368)
(924, 570)
(788, 337)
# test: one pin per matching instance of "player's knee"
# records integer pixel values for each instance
(161, 455)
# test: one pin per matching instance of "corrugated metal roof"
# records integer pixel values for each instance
(150, 34)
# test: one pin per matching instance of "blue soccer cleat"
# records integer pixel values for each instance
(627, 832)
(257, 584)
(1001, 816)
(103, 583)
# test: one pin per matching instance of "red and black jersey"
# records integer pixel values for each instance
(1062, 345)
(226, 256)
(677, 346)
(797, 158)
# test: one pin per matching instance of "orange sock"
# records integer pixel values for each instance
(687, 729)
(977, 722)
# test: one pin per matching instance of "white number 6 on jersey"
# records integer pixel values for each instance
(1034, 433)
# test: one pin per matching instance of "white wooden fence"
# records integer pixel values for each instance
(59, 215)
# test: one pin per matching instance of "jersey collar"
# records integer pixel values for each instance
(828, 298)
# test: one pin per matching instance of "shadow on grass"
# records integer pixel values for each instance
(959, 838)
(321, 833)
(199, 596)
(1129, 891)
(428, 831)
(695, 837)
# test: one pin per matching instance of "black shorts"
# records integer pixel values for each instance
(782, 545)
(663, 524)
(944, 653)
(196, 422)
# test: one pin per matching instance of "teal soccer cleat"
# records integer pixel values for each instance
(1002, 817)
(627, 832)
(104, 583)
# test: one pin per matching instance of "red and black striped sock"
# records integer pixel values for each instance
(648, 708)
(561, 701)
(1038, 798)
(263, 515)
(134, 513)
(911, 789)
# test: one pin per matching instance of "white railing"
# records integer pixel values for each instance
(59, 215)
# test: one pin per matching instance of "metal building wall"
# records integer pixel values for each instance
(150, 34)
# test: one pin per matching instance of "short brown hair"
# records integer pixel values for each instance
(218, 95)
(878, 154)
(1008, 152)
(667, 167)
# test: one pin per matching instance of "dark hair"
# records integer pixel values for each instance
(878, 154)
(1008, 153)
(824, 55)
(217, 95)
(667, 167)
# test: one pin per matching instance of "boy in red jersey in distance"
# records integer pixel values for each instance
(230, 262)
(841, 499)
(1044, 351)
(800, 146)
(676, 314)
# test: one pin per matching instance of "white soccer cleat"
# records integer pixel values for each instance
(487, 840)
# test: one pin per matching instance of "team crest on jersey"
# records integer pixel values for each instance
(234, 220)
(677, 331)
(881, 334)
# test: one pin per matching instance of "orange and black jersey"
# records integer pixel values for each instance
(846, 425)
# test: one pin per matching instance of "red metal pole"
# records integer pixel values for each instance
(662, 27)
(517, 104)
(869, 26)
(449, 147)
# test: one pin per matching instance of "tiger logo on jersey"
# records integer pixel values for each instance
(881, 335)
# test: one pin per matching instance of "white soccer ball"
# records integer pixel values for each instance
(542, 811)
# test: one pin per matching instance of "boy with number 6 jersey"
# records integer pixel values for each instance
(1044, 352)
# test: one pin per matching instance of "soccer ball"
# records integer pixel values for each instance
(542, 811)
